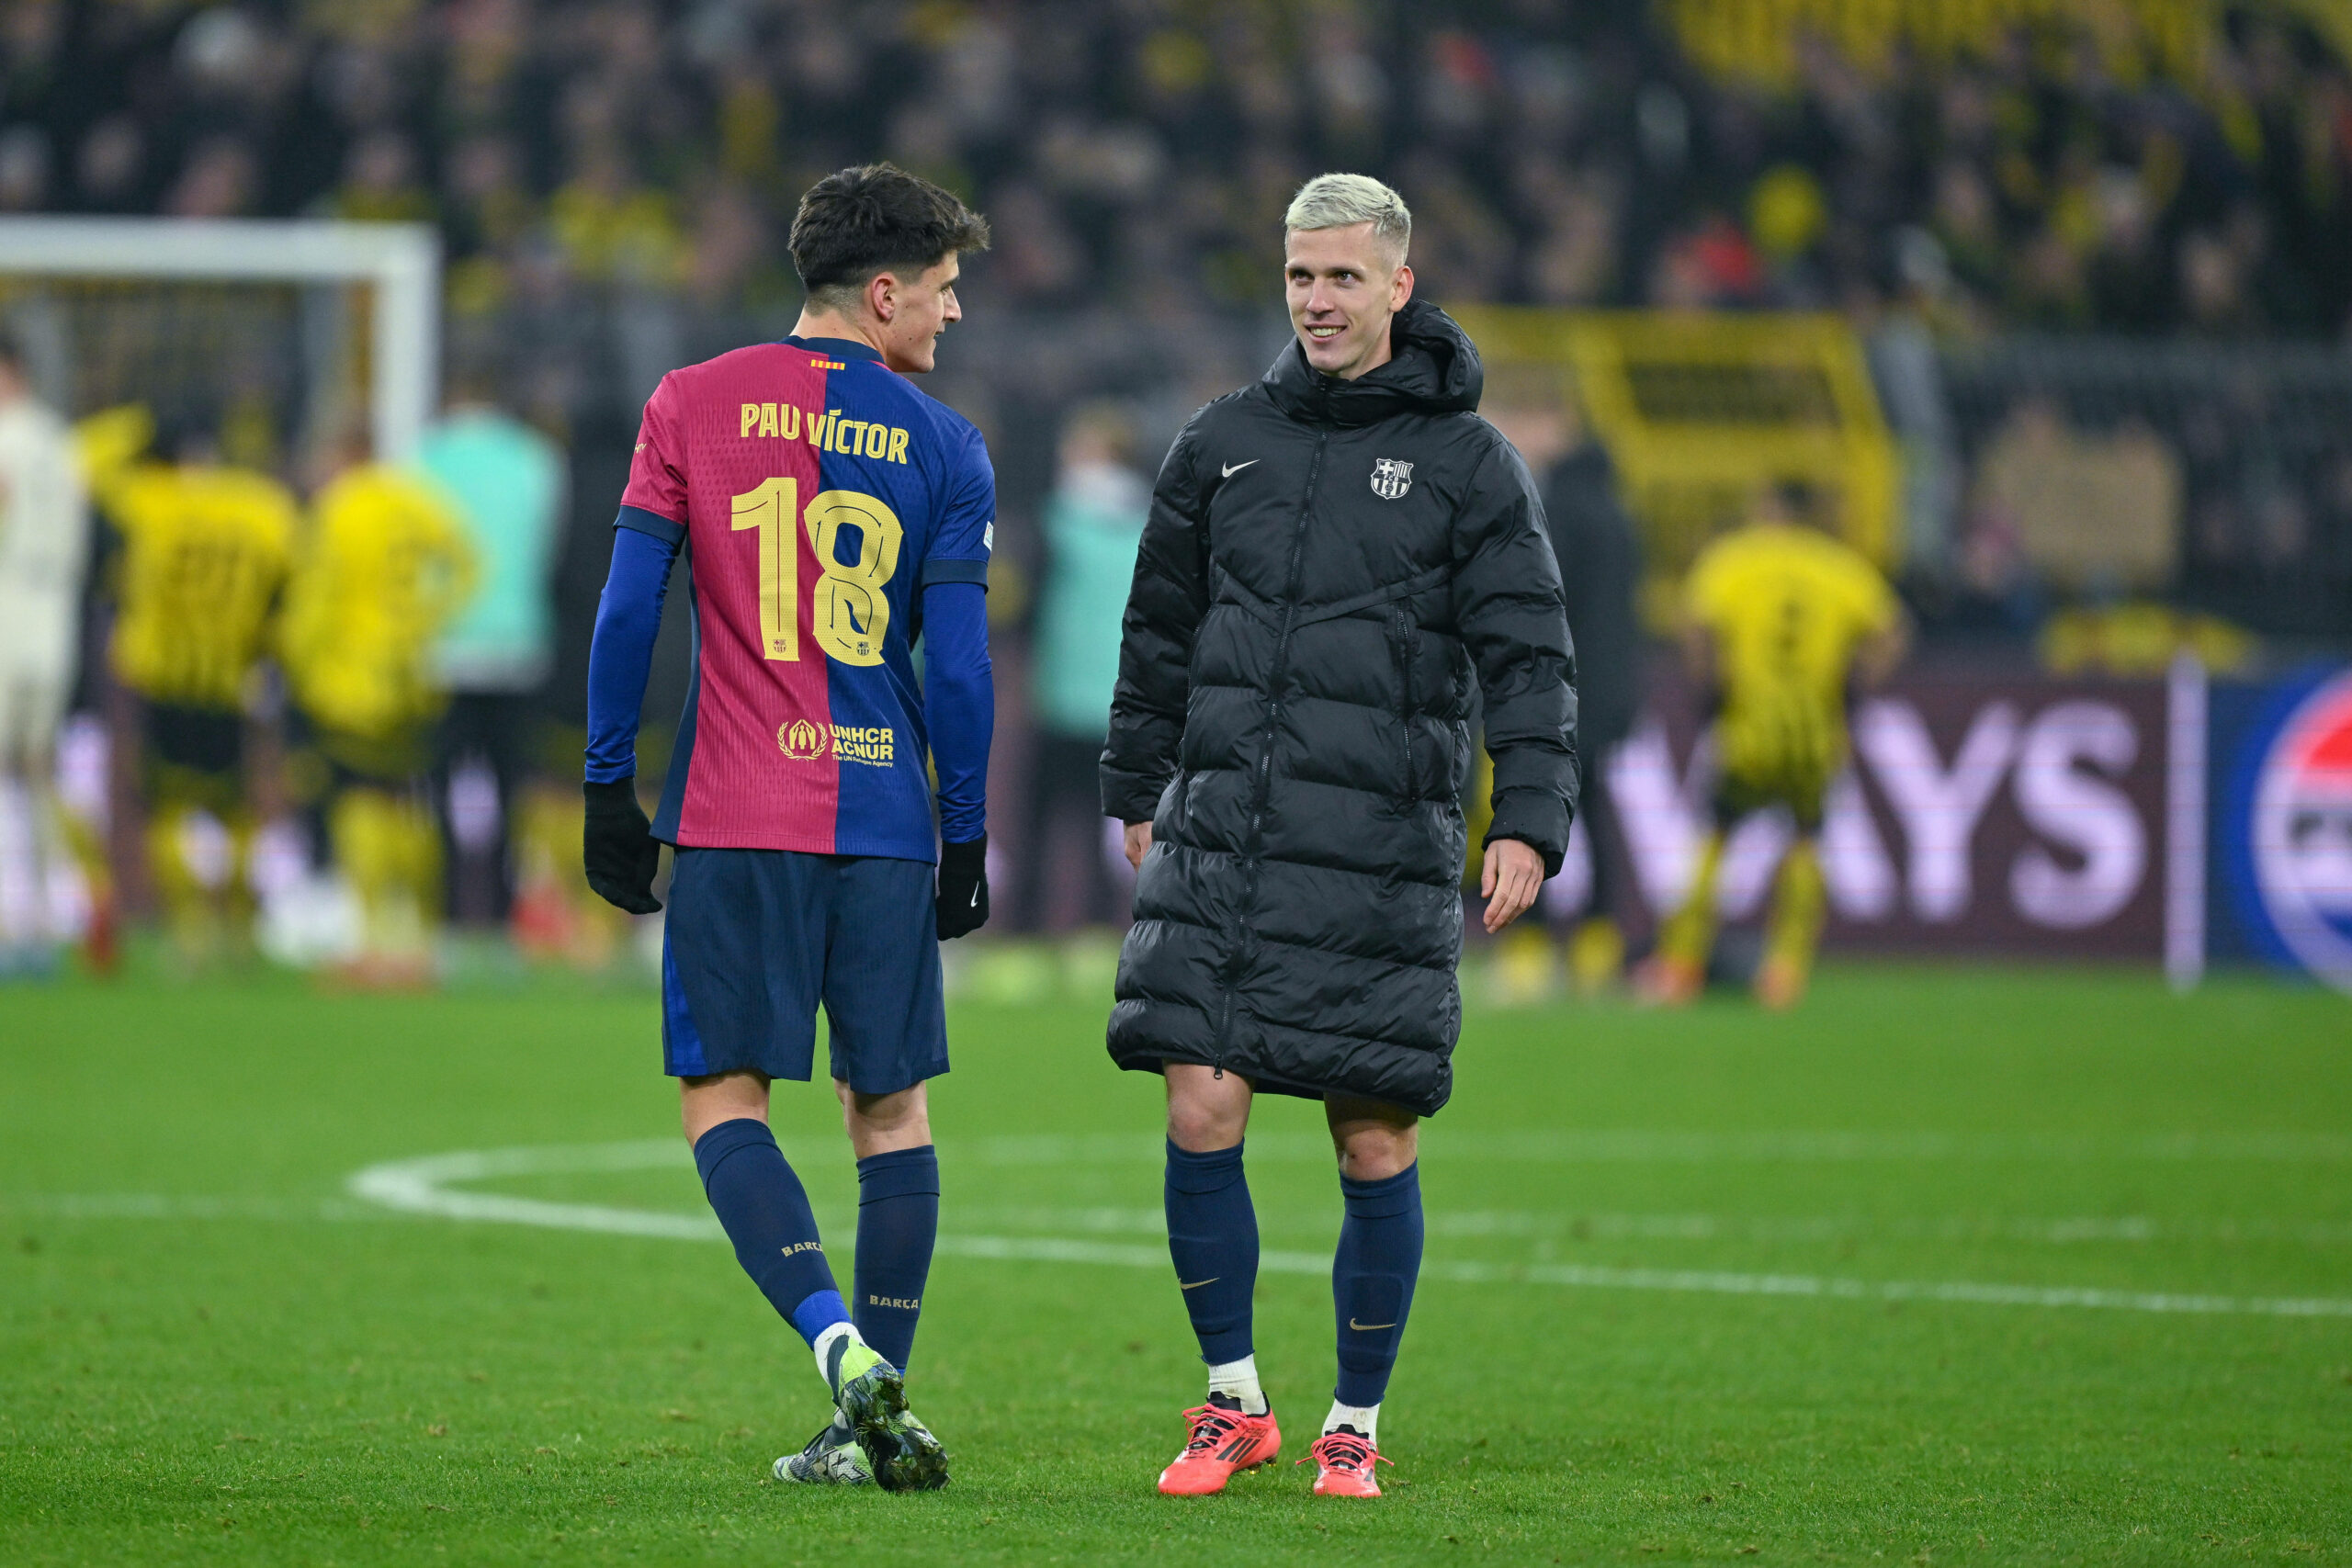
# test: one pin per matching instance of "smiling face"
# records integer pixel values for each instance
(910, 312)
(1345, 285)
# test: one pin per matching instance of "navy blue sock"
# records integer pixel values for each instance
(1213, 1237)
(897, 1221)
(1372, 1280)
(766, 1215)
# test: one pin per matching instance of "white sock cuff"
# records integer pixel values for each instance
(1364, 1418)
(823, 1346)
(1238, 1380)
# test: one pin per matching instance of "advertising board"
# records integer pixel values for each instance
(1979, 815)
(2281, 778)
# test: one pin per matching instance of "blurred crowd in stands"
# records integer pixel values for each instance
(2105, 172)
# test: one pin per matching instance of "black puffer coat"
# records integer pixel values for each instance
(1327, 568)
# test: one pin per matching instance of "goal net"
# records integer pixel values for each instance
(275, 336)
(279, 340)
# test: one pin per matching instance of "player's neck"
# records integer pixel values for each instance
(832, 323)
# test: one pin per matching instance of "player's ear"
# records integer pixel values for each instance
(1400, 288)
(882, 296)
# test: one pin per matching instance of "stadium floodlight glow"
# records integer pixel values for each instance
(401, 262)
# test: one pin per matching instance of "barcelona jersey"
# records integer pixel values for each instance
(817, 493)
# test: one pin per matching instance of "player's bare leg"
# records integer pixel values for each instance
(1374, 1139)
(885, 1124)
(704, 1103)
(1800, 905)
(1213, 1239)
(765, 1211)
(1207, 1109)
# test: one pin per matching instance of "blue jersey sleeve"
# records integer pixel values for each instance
(967, 532)
(620, 656)
(959, 704)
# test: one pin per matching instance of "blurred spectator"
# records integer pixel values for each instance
(1094, 525)
(44, 527)
(216, 182)
(109, 165)
(24, 169)
(1592, 535)
(505, 483)
(2090, 512)
(1601, 567)
(380, 182)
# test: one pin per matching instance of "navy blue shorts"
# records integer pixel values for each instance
(757, 938)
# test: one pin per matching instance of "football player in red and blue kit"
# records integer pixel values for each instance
(833, 517)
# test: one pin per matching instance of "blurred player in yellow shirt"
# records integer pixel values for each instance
(1779, 619)
(204, 553)
(384, 568)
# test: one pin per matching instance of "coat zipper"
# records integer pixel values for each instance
(1400, 637)
(1265, 789)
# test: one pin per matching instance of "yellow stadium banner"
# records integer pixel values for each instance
(1699, 412)
(1757, 40)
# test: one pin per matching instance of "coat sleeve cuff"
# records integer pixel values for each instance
(1538, 820)
(1130, 798)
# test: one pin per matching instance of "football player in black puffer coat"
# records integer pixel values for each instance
(1343, 562)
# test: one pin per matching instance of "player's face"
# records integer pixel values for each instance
(1343, 287)
(921, 306)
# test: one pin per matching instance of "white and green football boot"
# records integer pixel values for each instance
(871, 1394)
(832, 1459)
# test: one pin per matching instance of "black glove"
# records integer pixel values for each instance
(963, 887)
(619, 847)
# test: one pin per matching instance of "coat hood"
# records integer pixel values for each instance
(1433, 369)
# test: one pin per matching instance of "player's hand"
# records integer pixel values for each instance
(963, 887)
(1138, 844)
(619, 849)
(1511, 877)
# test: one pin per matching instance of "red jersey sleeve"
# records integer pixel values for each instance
(657, 471)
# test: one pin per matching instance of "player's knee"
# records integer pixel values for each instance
(1376, 1153)
(880, 1123)
(1208, 1108)
(1199, 1126)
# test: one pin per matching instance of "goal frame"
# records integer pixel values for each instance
(402, 261)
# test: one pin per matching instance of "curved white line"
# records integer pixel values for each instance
(422, 1186)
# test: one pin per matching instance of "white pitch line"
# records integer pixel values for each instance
(1054, 1249)
(421, 1186)
(1647, 1146)
(2070, 1231)
(179, 1206)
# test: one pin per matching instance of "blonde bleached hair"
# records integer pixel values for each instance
(1342, 201)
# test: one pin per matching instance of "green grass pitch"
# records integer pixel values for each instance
(1952, 1265)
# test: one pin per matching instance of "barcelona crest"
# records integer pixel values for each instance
(1391, 479)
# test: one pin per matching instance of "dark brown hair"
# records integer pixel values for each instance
(876, 218)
